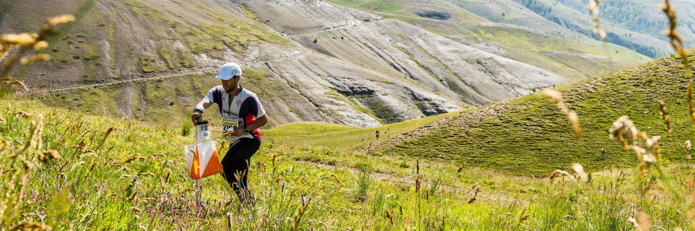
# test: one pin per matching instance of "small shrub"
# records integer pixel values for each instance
(102, 25)
(186, 129)
(97, 64)
(95, 56)
(76, 57)
(70, 42)
(64, 61)
(55, 50)
(80, 35)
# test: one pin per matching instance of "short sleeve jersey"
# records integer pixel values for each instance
(244, 108)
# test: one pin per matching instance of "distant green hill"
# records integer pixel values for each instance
(529, 135)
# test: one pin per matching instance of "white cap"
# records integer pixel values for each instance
(228, 71)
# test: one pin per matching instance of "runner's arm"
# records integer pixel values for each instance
(199, 108)
(260, 122)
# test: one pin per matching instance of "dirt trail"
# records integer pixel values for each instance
(333, 28)
(301, 55)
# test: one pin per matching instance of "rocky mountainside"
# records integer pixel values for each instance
(635, 24)
(309, 60)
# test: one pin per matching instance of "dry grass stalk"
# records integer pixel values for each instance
(13, 46)
(663, 112)
(300, 213)
(28, 225)
(475, 196)
(277, 155)
(389, 216)
(36, 133)
(336, 178)
(688, 146)
(559, 173)
(571, 115)
(523, 216)
(417, 184)
(417, 166)
(593, 7)
(108, 132)
(642, 222)
(46, 156)
(579, 169)
(676, 39)
(625, 131)
(9, 81)
(690, 103)
(168, 176)
(653, 145)
(229, 221)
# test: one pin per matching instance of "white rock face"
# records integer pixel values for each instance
(391, 67)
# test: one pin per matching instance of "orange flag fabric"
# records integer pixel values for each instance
(202, 160)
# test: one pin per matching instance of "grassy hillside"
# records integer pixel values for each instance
(115, 40)
(530, 135)
(114, 174)
(345, 138)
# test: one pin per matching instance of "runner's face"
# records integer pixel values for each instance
(231, 84)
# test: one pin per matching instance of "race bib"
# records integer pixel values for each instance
(230, 125)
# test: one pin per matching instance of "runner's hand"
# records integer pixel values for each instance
(237, 132)
(196, 117)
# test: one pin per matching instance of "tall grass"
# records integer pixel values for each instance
(64, 170)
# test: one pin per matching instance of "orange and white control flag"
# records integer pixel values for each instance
(202, 160)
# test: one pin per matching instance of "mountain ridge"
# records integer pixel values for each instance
(349, 67)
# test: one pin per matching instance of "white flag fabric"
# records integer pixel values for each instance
(202, 160)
